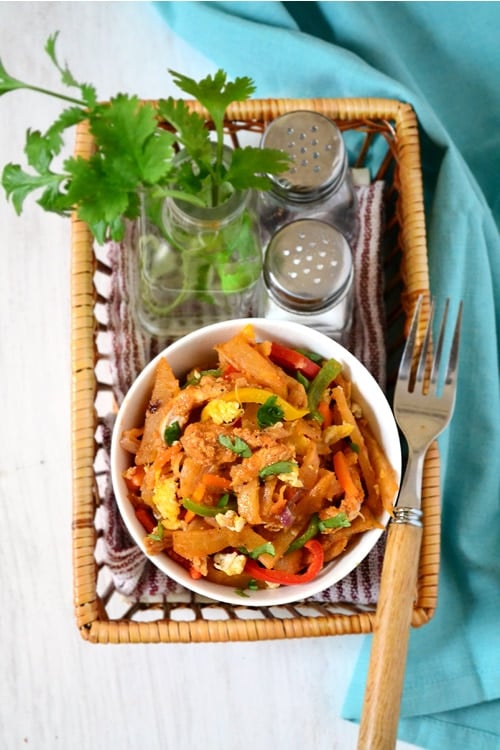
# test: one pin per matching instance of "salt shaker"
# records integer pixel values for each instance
(308, 277)
(318, 184)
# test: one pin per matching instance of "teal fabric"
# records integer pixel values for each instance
(444, 58)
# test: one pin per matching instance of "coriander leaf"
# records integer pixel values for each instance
(87, 91)
(237, 446)
(131, 145)
(340, 521)
(101, 196)
(52, 199)
(38, 151)
(67, 119)
(172, 433)
(280, 467)
(250, 167)
(50, 49)
(7, 83)
(190, 127)
(19, 184)
(215, 93)
(269, 412)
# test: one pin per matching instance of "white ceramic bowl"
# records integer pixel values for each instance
(197, 349)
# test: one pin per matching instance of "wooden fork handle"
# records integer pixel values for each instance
(384, 687)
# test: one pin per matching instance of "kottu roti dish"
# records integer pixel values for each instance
(255, 470)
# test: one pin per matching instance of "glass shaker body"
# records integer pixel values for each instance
(196, 265)
(308, 278)
(318, 185)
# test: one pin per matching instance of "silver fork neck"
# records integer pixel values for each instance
(411, 489)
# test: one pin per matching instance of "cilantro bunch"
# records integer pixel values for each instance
(134, 152)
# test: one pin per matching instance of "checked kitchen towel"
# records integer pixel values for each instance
(443, 58)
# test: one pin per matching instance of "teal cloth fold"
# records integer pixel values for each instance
(443, 58)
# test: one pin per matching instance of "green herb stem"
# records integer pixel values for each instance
(54, 94)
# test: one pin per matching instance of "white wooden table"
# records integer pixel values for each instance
(57, 691)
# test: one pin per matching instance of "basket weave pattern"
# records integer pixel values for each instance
(385, 137)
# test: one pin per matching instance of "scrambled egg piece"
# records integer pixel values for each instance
(165, 500)
(230, 520)
(291, 477)
(230, 563)
(200, 564)
(223, 412)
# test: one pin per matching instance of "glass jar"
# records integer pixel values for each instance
(318, 185)
(196, 265)
(308, 278)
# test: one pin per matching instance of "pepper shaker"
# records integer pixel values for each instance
(308, 277)
(318, 184)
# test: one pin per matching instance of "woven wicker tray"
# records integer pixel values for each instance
(384, 136)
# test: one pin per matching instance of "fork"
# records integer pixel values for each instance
(423, 406)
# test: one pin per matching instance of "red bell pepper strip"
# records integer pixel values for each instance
(253, 569)
(290, 359)
(145, 516)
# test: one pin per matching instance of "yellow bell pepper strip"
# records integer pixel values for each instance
(288, 579)
(291, 359)
(251, 395)
(328, 372)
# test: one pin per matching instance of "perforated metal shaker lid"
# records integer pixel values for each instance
(308, 266)
(317, 148)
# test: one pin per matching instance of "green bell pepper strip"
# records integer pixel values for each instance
(328, 372)
(205, 510)
(309, 533)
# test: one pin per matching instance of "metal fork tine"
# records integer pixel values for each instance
(422, 363)
(436, 364)
(454, 351)
(405, 366)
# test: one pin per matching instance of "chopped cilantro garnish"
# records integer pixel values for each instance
(237, 445)
(269, 412)
(172, 433)
(280, 467)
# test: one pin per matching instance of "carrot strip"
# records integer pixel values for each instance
(215, 482)
(343, 474)
(326, 413)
